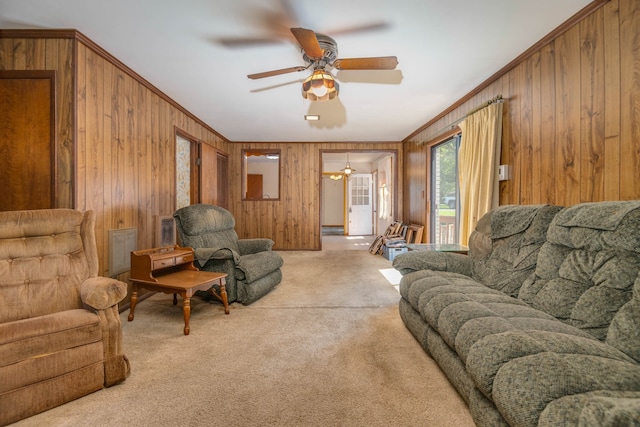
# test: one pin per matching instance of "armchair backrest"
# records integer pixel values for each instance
(45, 255)
(206, 226)
(505, 244)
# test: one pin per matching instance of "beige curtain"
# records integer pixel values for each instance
(478, 161)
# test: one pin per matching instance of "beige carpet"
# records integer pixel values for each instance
(325, 348)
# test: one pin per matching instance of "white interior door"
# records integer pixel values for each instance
(360, 204)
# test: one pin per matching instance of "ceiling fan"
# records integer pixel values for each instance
(320, 53)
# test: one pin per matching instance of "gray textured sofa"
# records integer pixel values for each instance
(540, 323)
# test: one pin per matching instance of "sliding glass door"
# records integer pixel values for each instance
(445, 200)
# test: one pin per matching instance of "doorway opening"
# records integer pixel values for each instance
(362, 202)
(445, 194)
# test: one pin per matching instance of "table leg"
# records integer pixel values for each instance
(175, 299)
(134, 301)
(186, 310)
(223, 295)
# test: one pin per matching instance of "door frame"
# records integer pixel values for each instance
(395, 168)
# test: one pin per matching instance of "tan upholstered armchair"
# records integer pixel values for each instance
(60, 332)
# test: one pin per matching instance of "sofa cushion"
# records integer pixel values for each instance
(490, 353)
(465, 312)
(585, 271)
(599, 408)
(36, 336)
(43, 260)
(624, 332)
(505, 244)
(525, 386)
(51, 365)
(431, 282)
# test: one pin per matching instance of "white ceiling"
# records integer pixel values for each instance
(444, 49)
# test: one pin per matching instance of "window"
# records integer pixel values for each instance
(445, 196)
(360, 187)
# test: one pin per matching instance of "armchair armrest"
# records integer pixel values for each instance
(438, 261)
(253, 246)
(101, 293)
(203, 255)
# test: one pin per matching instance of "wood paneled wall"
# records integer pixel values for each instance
(571, 123)
(119, 153)
(293, 222)
(126, 148)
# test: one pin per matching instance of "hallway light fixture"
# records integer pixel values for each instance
(348, 170)
(336, 177)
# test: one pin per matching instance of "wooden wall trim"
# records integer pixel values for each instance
(79, 37)
(317, 142)
(38, 34)
(579, 16)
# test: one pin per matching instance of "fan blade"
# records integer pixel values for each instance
(374, 26)
(393, 77)
(276, 72)
(309, 42)
(239, 42)
(376, 63)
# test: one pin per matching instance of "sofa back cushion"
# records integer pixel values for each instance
(624, 332)
(505, 244)
(586, 270)
(44, 257)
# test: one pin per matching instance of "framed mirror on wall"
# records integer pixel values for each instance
(260, 174)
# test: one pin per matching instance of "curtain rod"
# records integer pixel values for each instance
(450, 126)
(497, 98)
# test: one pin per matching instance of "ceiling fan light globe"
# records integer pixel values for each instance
(320, 86)
(319, 90)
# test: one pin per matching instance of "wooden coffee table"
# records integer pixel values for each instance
(170, 270)
(185, 283)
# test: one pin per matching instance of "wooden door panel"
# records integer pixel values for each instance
(26, 143)
(208, 175)
(223, 180)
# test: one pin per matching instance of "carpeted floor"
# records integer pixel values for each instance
(325, 348)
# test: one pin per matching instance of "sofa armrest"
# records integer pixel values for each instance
(253, 246)
(101, 293)
(437, 261)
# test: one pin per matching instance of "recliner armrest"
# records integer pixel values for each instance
(253, 246)
(101, 293)
(203, 255)
(437, 261)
